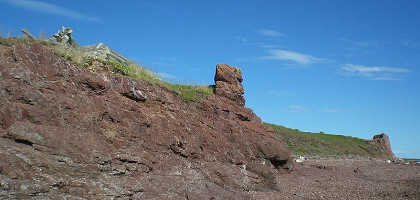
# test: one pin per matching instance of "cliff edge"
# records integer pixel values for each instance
(72, 132)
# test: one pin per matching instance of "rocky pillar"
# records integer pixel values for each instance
(383, 140)
(229, 83)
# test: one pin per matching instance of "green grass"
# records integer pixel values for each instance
(321, 144)
(137, 72)
(132, 70)
(190, 92)
(12, 41)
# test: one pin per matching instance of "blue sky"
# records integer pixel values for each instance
(341, 67)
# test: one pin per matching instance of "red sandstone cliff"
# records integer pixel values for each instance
(383, 141)
(66, 132)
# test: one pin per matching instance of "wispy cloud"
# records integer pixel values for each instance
(336, 110)
(166, 76)
(51, 9)
(364, 43)
(163, 64)
(269, 46)
(240, 39)
(369, 43)
(410, 43)
(277, 93)
(298, 109)
(298, 58)
(375, 73)
(270, 33)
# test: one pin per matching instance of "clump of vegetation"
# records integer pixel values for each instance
(12, 41)
(321, 144)
(190, 92)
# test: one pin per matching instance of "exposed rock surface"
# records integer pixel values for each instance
(383, 140)
(67, 133)
(229, 83)
(102, 51)
(64, 37)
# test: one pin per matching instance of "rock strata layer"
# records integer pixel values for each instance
(68, 133)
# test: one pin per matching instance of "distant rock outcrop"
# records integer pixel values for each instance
(383, 141)
(229, 83)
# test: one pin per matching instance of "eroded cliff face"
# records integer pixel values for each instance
(66, 132)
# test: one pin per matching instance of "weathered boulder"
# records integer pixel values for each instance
(64, 36)
(383, 140)
(229, 83)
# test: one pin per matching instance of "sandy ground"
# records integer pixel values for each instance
(348, 179)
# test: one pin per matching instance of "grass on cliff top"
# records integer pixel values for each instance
(12, 41)
(135, 71)
(324, 145)
(132, 70)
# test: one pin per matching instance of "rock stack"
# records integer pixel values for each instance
(229, 83)
(383, 140)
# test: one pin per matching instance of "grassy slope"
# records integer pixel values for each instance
(132, 70)
(320, 144)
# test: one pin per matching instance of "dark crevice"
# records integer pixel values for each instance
(127, 160)
(278, 163)
(25, 142)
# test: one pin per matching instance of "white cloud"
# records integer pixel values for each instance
(369, 43)
(270, 33)
(298, 58)
(375, 73)
(48, 8)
